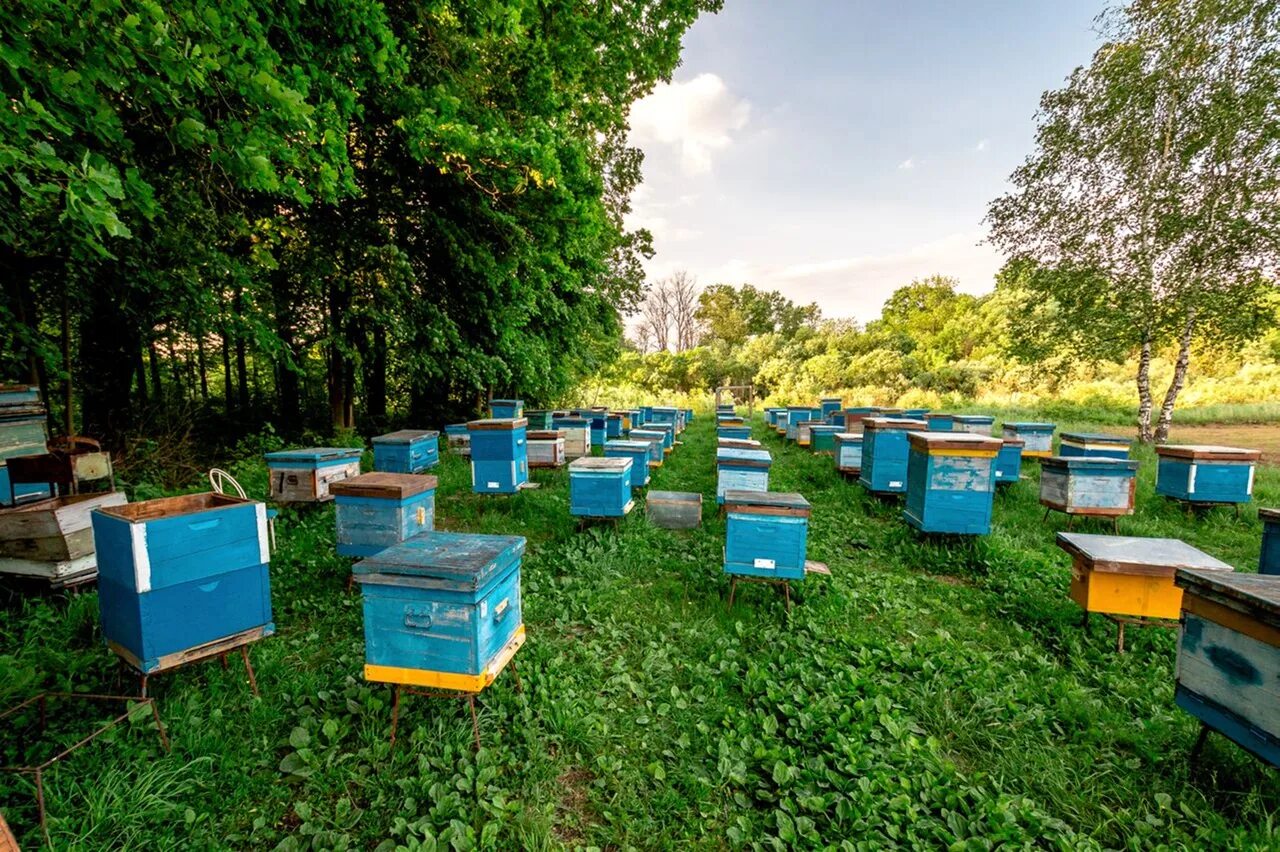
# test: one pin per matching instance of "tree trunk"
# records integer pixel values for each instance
(1144, 390)
(1179, 378)
(227, 387)
(201, 365)
(339, 368)
(375, 377)
(110, 357)
(154, 361)
(241, 362)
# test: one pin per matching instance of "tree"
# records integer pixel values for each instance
(1148, 213)
(733, 314)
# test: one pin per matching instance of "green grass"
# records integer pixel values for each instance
(927, 694)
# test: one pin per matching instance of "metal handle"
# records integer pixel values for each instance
(417, 619)
(204, 525)
(209, 587)
(500, 611)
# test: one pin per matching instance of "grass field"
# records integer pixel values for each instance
(924, 695)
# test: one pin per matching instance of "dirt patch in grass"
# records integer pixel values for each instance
(1254, 436)
(573, 810)
(949, 580)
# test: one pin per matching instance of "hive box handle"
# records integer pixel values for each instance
(417, 619)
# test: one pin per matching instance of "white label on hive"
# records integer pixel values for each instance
(766, 563)
(895, 484)
(493, 485)
(484, 608)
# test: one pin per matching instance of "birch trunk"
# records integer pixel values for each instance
(1144, 390)
(1179, 378)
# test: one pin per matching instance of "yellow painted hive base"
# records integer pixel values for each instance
(448, 680)
(1138, 595)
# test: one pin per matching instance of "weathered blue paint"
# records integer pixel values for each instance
(1228, 671)
(179, 572)
(741, 470)
(940, 422)
(1269, 557)
(312, 458)
(1009, 461)
(442, 602)
(836, 418)
(885, 451)
(915, 413)
(646, 413)
(655, 438)
(406, 451)
(736, 432)
(600, 487)
(822, 437)
(1203, 474)
(797, 414)
(974, 424)
(639, 452)
(1081, 485)
(1037, 437)
(849, 452)
(668, 434)
(378, 510)
(666, 414)
(829, 405)
(23, 493)
(23, 431)
(951, 483)
(766, 534)
(499, 455)
(1094, 445)
(612, 426)
(506, 409)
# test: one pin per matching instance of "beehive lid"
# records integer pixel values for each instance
(315, 455)
(690, 497)
(569, 419)
(1257, 595)
(834, 399)
(544, 435)
(456, 429)
(1122, 554)
(826, 427)
(740, 443)
(1096, 438)
(613, 415)
(1085, 463)
(1269, 514)
(406, 436)
(597, 464)
(767, 503)
(1012, 442)
(743, 458)
(942, 441)
(1207, 452)
(519, 402)
(384, 486)
(1032, 427)
(497, 424)
(973, 418)
(628, 446)
(666, 408)
(894, 423)
(938, 415)
(848, 438)
(647, 434)
(170, 507)
(808, 409)
(460, 560)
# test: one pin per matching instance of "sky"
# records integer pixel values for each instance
(837, 149)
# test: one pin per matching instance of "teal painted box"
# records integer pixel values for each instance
(179, 573)
(849, 452)
(499, 455)
(885, 450)
(1009, 461)
(506, 409)
(442, 609)
(304, 475)
(668, 435)
(940, 421)
(612, 426)
(741, 470)
(1094, 445)
(822, 437)
(1037, 438)
(740, 433)
(600, 487)
(829, 406)
(974, 424)
(639, 452)
(657, 441)
(797, 414)
(374, 511)
(406, 451)
(1269, 555)
(1206, 474)
(1081, 485)
(951, 482)
(766, 534)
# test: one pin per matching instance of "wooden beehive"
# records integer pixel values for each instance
(304, 475)
(1228, 671)
(52, 539)
(804, 435)
(499, 455)
(940, 422)
(599, 427)
(974, 424)
(624, 417)
(539, 419)
(1269, 556)
(506, 409)
(1094, 445)
(781, 421)
(738, 443)
(577, 434)
(822, 437)
(830, 405)
(885, 450)
(674, 510)
(665, 414)
(951, 482)
(848, 452)
(741, 470)
(797, 414)
(546, 448)
(179, 577)
(442, 610)
(1128, 576)
(23, 432)
(766, 534)
(1098, 487)
(668, 435)
(600, 487)
(458, 438)
(406, 451)
(637, 418)
(639, 452)
(1037, 438)
(1206, 474)
(374, 511)
(853, 418)
(915, 413)
(657, 441)
(613, 425)
(1009, 461)
(740, 433)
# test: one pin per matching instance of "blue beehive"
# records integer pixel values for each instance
(848, 453)
(458, 438)
(915, 413)
(304, 475)
(637, 418)
(688, 415)
(951, 482)
(23, 431)
(600, 487)
(668, 435)
(885, 449)
(736, 432)
(1206, 474)
(1009, 461)
(178, 574)
(766, 534)
(1080, 485)
(741, 470)
(577, 433)
(406, 451)
(499, 455)
(1037, 438)
(974, 424)
(646, 414)
(442, 610)
(377, 510)
(506, 409)
(666, 414)
(797, 414)
(612, 426)
(1094, 445)
(657, 441)
(830, 405)
(1269, 557)
(822, 437)
(940, 422)
(599, 426)
(639, 452)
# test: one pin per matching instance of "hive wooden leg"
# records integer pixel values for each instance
(786, 591)
(248, 667)
(1199, 746)
(475, 721)
(395, 712)
(142, 685)
(44, 817)
(164, 736)
(1120, 638)
(733, 587)
(515, 673)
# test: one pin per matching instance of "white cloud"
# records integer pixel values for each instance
(907, 164)
(697, 117)
(981, 146)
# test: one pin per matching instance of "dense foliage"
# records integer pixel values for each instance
(278, 208)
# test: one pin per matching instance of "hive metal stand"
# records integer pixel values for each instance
(219, 648)
(1120, 621)
(457, 695)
